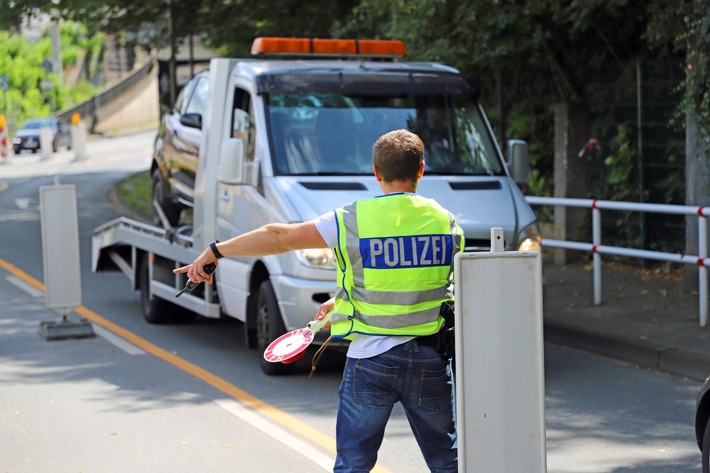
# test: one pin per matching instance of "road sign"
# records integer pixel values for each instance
(4, 82)
(48, 65)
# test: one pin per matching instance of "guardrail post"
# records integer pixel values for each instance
(596, 257)
(702, 269)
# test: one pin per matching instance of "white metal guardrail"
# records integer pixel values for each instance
(597, 248)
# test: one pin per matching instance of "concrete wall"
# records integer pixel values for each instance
(136, 110)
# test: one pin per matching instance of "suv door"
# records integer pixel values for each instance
(183, 135)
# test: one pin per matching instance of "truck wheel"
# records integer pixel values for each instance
(706, 448)
(158, 197)
(155, 310)
(269, 326)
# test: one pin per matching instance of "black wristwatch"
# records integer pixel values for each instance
(213, 247)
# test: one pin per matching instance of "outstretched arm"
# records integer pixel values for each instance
(271, 239)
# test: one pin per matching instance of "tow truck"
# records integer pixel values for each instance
(286, 136)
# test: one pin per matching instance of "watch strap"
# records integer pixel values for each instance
(213, 247)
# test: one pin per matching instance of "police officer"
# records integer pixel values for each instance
(395, 257)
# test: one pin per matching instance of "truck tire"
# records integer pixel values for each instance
(269, 326)
(155, 310)
(158, 197)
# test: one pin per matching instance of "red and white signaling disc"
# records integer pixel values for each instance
(289, 347)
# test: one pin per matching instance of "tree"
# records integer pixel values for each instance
(695, 108)
(232, 26)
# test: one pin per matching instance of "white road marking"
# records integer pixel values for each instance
(22, 203)
(233, 407)
(19, 283)
(119, 342)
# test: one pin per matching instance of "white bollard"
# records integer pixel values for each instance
(45, 142)
(78, 137)
(500, 391)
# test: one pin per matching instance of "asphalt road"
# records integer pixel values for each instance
(191, 397)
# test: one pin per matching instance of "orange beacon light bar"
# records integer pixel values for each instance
(328, 47)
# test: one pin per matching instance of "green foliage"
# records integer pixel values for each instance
(135, 191)
(685, 25)
(619, 167)
(616, 162)
(537, 53)
(696, 97)
(22, 61)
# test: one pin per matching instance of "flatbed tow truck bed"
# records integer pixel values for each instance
(126, 245)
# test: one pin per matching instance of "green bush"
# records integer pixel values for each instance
(22, 61)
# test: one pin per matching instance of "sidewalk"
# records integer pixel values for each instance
(646, 317)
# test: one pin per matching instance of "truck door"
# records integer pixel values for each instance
(238, 209)
(234, 207)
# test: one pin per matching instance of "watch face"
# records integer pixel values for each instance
(288, 346)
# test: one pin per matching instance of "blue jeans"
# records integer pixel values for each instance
(413, 375)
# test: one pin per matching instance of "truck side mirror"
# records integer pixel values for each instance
(518, 161)
(231, 161)
(192, 120)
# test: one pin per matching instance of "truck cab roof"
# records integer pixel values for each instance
(354, 76)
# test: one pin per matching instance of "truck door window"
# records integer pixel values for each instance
(243, 122)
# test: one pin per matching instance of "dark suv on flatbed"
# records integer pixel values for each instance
(176, 149)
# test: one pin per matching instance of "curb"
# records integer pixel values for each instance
(639, 352)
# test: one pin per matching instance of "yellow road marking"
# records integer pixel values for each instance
(240, 395)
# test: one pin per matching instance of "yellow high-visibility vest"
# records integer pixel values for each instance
(395, 256)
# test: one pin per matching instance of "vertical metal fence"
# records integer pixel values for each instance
(597, 248)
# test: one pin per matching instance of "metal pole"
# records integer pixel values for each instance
(596, 257)
(639, 123)
(702, 269)
(58, 68)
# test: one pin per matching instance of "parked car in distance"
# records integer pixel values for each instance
(702, 423)
(176, 149)
(27, 137)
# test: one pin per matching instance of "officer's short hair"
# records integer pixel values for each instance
(398, 155)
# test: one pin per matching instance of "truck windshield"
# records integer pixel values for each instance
(330, 133)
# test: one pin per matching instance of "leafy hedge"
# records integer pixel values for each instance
(22, 60)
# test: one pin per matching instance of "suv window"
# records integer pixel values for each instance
(180, 99)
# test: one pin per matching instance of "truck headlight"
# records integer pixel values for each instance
(530, 239)
(317, 257)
